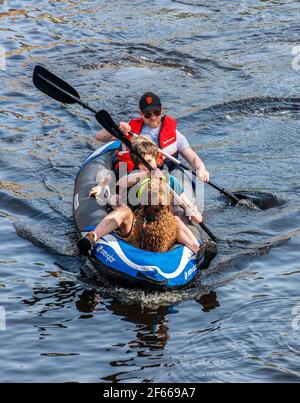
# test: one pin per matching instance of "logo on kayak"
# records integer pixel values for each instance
(190, 271)
(109, 258)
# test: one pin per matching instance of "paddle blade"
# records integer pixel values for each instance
(106, 121)
(54, 86)
(263, 200)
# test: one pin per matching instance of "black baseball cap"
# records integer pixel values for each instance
(149, 102)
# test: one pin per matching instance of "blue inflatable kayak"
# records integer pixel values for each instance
(116, 260)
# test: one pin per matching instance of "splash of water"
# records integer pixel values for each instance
(247, 203)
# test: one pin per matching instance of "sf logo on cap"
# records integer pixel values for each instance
(149, 100)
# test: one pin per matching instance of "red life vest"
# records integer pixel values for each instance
(167, 140)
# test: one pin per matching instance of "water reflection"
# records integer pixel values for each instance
(151, 326)
(52, 298)
(209, 301)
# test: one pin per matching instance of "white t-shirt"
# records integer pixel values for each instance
(153, 134)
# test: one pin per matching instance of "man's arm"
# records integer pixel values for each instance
(190, 208)
(104, 136)
(196, 163)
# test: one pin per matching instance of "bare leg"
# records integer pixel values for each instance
(186, 237)
(121, 217)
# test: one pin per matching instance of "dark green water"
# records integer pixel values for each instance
(227, 72)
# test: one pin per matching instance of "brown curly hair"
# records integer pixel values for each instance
(143, 146)
(155, 226)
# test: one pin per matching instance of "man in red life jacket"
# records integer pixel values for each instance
(161, 130)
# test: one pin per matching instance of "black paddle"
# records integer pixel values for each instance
(57, 88)
(61, 91)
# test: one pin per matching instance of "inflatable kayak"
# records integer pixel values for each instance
(113, 258)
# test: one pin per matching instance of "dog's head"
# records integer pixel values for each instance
(156, 197)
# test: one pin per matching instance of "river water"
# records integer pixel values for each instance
(229, 73)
